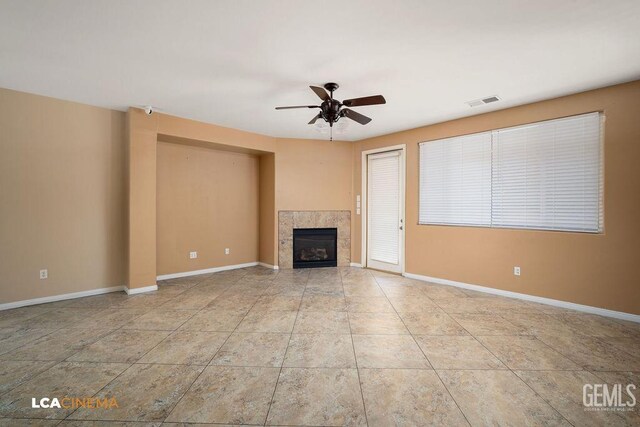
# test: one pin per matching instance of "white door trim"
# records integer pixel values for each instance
(363, 204)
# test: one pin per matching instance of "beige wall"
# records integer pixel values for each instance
(172, 126)
(298, 175)
(143, 132)
(207, 200)
(313, 174)
(63, 186)
(308, 175)
(141, 141)
(267, 241)
(62, 197)
(597, 270)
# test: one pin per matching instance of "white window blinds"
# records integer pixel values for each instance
(455, 180)
(546, 176)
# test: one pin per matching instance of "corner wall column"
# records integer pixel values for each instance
(142, 137)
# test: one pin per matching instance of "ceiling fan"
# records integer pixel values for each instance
(332, 110)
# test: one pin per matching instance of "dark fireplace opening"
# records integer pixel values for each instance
(315, 247)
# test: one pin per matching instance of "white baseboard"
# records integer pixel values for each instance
(542, 300)
(62, 297)
(264, 264)
(206, 270)
(355, 264)
(142, 290)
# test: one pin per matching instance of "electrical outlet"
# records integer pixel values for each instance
(193, 255)
(227, 251)
(44, 274)
(516, 271)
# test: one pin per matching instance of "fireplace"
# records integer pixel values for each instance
(290, 220)
(315, 247)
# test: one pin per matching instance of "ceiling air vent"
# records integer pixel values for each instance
(483, 101)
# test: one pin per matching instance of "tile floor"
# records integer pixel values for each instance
(322, 347)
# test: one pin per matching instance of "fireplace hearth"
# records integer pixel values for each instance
(315, 247)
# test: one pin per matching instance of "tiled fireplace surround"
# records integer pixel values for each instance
(288, 220)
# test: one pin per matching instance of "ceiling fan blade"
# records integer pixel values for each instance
(367, 100)
(320, 92)
(357, 117)
(297, 106)
(313, 121)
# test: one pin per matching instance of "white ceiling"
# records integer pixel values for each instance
(231, 62)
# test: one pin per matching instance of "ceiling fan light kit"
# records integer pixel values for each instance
(332, 110)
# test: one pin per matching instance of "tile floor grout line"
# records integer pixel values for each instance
(56, 363)
(212, 357)
(320, 367)
(65, 360)
(130, 365)
(120, 328)
(602, 341)
(504, 363)
(536, 336)
(559, 353)
(353, 346)
(522, 380)
(284, 357)
(36, 339)
(101, 388)
(117, 376)
(60, 420)
(451, 317)
(228, 290)
(425, 355)
(452, 398)
(543, 399)
(31, 341)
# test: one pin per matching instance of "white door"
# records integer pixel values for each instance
(385, 199)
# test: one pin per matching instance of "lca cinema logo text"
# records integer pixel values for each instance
(609, 397)
(74, 403)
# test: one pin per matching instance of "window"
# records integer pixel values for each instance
(455, 180)
(545, 176)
